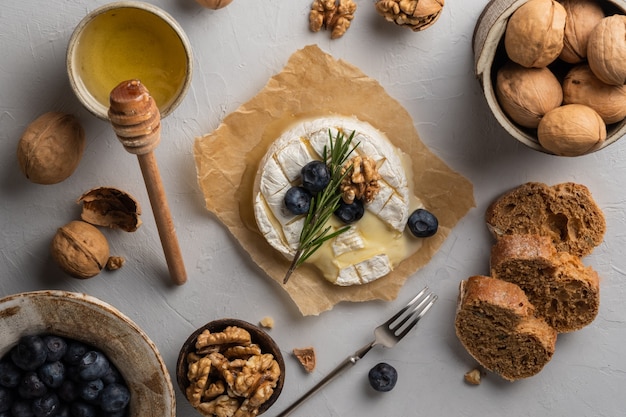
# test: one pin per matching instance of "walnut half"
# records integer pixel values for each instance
(361, 180)
(335, 15)
(414, 14)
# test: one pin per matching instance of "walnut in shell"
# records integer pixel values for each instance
(581, 86)
(527, 94)
(80, 249)
(571, 130)
(582, 17)
(51, 148)
(606, 50)
(534, 33)
(416, 15)
(111, 207)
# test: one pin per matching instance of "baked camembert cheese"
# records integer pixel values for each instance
(372, 246)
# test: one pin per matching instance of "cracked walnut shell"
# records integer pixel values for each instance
(110, 207)
(534, 33)
(417, 15)
(80, 249)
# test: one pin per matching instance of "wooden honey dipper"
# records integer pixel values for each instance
(136, 121)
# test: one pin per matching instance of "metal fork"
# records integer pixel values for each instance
(387, 334)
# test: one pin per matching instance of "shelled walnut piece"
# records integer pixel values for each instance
(361, 180)
(306, 357)
(335, 15)
(414, 14)
(229, 375)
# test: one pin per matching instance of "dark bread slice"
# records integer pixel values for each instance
(565, 293)
(564, 212)
(495, 322)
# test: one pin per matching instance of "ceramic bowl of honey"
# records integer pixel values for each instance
(129, 40)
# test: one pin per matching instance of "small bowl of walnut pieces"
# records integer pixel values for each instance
(85, 330)
(230, 364)
(533, 59)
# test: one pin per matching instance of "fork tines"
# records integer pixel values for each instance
(416, 308)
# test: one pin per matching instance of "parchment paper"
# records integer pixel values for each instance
(313, 84)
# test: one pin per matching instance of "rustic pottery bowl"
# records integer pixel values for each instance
(489, 56)
(259, 337)
(129, 40)
(89, 320)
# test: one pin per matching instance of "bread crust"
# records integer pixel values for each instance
(495, 323)
(566, 213)
(564, 292)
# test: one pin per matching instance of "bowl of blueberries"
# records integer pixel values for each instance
(71, 354)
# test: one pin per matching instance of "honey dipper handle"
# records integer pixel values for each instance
(163, 217)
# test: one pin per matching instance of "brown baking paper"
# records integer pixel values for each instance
(314, 84)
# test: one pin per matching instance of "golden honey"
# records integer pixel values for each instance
(131, 43)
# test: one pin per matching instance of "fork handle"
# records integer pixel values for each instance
(343, 366)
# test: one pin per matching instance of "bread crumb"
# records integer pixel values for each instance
(306, 356)
(473, 377)
(267, 322)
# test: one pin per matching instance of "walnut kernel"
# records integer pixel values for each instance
(306, 357)
(534, 33)
(335, 15)
(361, 181)
(51, 148)
(80, 249)
(473, 377)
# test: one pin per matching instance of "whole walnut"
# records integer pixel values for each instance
(582, 18)
(51, 147)
(527, 94)
(571, 130)
(80, 249)
(581, 86)
(606, 50)
(534, 33)
(214, 4)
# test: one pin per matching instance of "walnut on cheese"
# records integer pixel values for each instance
(335, 15)
(414, 14)
(361, 181)
(229, 375)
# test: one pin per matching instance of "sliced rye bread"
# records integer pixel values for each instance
(564, 212)
(495, 322)
(565, 293)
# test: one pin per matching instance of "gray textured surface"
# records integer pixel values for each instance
(236, 50)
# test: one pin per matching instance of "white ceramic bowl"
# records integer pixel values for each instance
(489, 56)
(128, 40)
(87, 319)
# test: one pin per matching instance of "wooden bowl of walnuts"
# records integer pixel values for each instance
(230, 364)
(554, 71)
(70, 340)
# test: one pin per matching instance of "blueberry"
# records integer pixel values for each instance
(52, 373)
(10, 374)
(423, 223)
(55, 347)
(6, 399)
(298, 200)
(46, 406)
(31, 386)
(93, 365)
(315, 176)
(383, 377)
(78, 409)
(75, 351)
(22, 408)
(64, 411)
(349, 213)
(90, 390)
(114, 397)
(29, 353)
(68, 391)
(113, 375)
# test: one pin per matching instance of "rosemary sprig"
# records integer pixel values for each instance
(323, 204)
